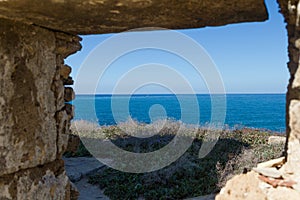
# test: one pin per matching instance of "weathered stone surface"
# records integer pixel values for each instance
(296, 82)
(104, 16)
(244, 186)
(68, 81)
(70, 110)
(73, 144)
(45, 182)
(34, 123)
(74, 193)
(270, 172)
(278, 162)
(248, 186)
(281, 193)
(69, 94)
(66, 45)
(276, 139)
(63, 129)
(27, 104)
(34, 120)
(291, 12)
(294, 113)
(65, 71)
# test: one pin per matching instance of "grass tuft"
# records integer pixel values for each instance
(236, 151)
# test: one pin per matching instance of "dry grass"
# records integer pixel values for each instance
(235, 152)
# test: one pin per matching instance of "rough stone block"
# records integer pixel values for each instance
(294, 114)
(68, 81)
(63, 129)
(73, 143)
(27, 104)
(70, 110)
(69, 94)
(67, 44)
(65, 71)
(45, 182)
(244, 186)
(293, 151)
(296, 81)
(103, 16)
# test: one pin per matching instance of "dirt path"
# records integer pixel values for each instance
(78, 168)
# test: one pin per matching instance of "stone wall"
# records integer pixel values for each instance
(108, 16)
(291, 11)
(34, 115)
(34, 119)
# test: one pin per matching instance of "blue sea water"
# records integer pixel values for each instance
(266, 111)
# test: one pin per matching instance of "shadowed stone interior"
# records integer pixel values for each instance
(106, 16)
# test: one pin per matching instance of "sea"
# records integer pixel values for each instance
(262, 111)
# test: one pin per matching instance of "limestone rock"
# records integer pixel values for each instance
(296, 82)
(69, 94)
(73, 143)
(46, 182)
(244, 186)
(65, 71)
(27, 104)
(68, 81)
(270, 172)
(281, 193)
(249, 186)
(272, 163)
(94, 16)
(70, 110)
(276, 140)
(293, 159)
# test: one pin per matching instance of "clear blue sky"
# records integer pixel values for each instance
(251, 57)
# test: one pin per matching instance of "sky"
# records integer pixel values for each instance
(249, 57)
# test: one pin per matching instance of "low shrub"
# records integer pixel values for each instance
(236, 151)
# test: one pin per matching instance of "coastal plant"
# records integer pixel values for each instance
(188, 176)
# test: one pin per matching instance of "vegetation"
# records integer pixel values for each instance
(236, 151)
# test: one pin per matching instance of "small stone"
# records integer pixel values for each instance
(69, 110)
(272, 163)
(65, 71)
(68, 81)
(296, 81)
(69, 94)
(73, 143)
(276, 140)
(269, 172)
(297, 43)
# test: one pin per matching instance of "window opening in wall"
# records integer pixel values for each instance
(252, 66)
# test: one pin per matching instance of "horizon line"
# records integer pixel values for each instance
(175, 94)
